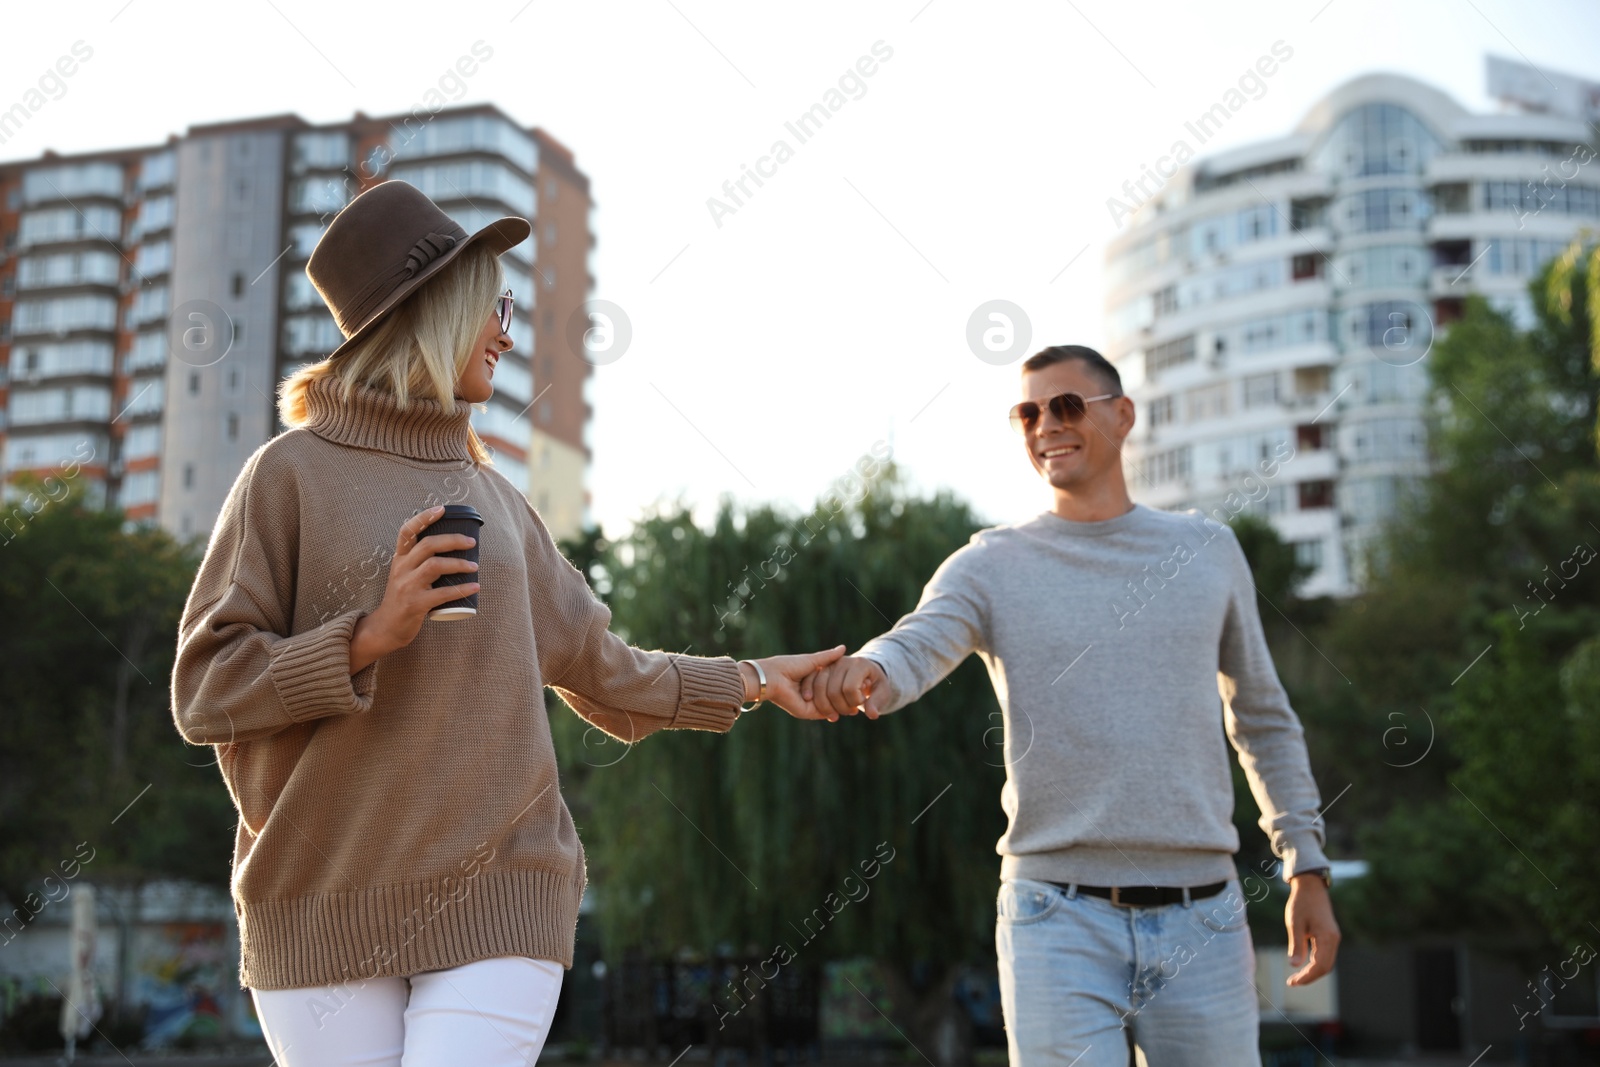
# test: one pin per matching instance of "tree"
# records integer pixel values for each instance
(94, 781)
(1476, 762)
(805, 841)
(1577, 269)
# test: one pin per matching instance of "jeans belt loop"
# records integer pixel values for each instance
(1116, 897)
(1187, 902)
(1072, 891)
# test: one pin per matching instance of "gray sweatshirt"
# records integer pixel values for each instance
(1122, 653)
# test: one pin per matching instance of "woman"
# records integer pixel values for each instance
(406, 874)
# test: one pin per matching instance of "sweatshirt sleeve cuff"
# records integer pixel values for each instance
(1302, 852)
(311, 672)
(880, 654)
(710, 693)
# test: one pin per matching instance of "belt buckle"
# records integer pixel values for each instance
(1116, 897)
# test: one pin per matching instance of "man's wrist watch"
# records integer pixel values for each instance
(1326, 873)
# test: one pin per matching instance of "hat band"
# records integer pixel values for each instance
(365, 303)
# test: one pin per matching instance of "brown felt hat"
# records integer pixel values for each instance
(384, 245)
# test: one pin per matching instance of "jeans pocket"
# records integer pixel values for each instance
(1023, 901)
(1224, 913)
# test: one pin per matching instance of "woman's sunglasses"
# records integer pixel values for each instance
(1068, 408)
(502, 308)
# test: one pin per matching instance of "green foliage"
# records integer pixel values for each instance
(1272, 561)
(92, 609)
(1468, 730)
(701, 840)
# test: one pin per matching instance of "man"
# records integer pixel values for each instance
(1108, 629)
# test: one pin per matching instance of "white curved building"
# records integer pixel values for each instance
(1271, 308)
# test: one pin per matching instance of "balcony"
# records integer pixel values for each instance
(60, 316)
(94, 222)
(464, 135)
(70, 184)
(70, 269)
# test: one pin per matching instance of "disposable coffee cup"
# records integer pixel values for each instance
(457, 519)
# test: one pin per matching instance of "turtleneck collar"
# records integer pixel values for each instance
(373, 419)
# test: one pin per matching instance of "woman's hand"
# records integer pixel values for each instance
(784, 674)
(410, 595)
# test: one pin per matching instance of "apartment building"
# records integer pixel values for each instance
(1272, 308)
(151, 298)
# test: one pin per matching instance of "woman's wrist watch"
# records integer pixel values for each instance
(761, 686)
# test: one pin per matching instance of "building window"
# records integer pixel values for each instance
(1260, 390)
(188, 475)
(1162, 411)
(1311, 438)
(1310, 381)
(1206, 402)
(1169, 354)
(1307, 265)
(1308, 554)
(1451, 199)
(238, 284)
(233, 426)
(1164, 301)
(1169, 466)
(1307, 214)
(194, 383)
(1317, 494)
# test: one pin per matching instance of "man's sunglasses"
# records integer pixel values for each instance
(502, 307)
(1068, 408)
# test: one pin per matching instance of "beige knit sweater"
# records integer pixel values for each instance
(408, 817)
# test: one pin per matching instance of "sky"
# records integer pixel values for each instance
(779, 337)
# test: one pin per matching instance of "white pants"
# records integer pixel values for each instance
(488, 1013)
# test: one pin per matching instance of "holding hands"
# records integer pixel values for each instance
(818, 685)
(778, 679)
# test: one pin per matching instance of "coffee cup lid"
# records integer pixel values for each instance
(455, 511)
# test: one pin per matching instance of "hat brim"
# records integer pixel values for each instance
(501, 235)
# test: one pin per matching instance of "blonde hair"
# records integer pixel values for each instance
(420, 347)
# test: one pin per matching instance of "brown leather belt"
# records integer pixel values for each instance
(1145, 896)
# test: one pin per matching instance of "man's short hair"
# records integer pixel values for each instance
(1098, 365)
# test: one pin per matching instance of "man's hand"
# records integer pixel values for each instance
(1309, 918)
(847, 686)
(784, 675)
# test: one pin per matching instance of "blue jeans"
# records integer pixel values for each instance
(1077, 970)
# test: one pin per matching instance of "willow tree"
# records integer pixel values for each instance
(798, 842)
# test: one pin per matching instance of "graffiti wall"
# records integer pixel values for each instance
(174, 945)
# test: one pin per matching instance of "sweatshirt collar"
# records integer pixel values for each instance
(1132, 517)
(372, 418)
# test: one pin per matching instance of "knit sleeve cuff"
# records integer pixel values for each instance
(1302, 852)
(311, 672)
(710, 693)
